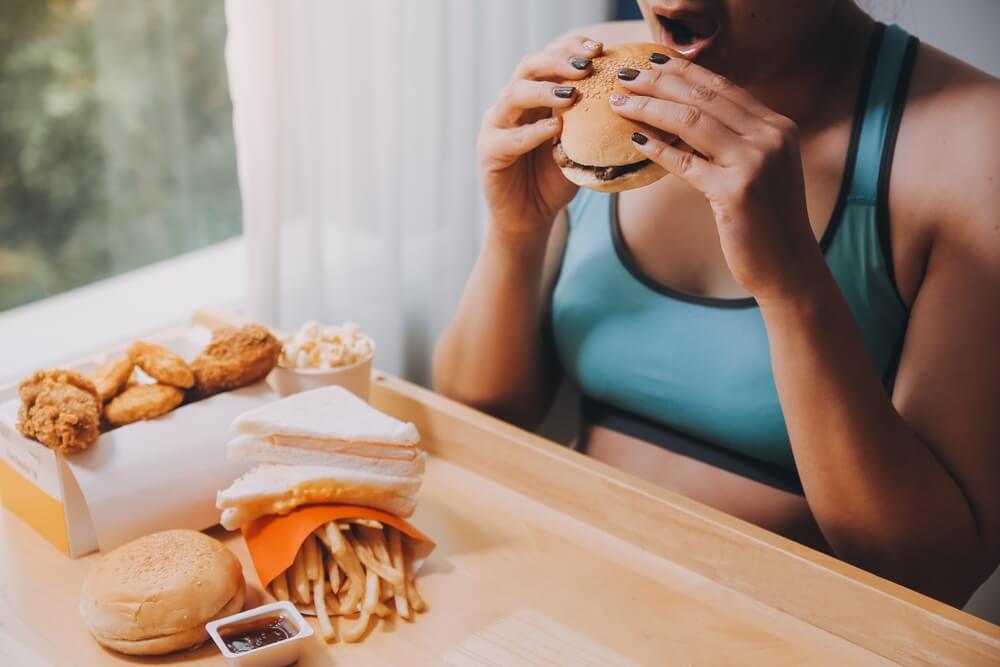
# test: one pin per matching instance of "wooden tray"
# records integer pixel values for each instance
(546, 557)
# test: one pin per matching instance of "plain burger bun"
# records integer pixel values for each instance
(594, 137)
(155, 594)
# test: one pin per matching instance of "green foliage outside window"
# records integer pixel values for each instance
(116, 141)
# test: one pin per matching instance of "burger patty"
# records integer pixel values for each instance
(601, 173)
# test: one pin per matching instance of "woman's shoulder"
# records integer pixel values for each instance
(948, 150)
(613, 32)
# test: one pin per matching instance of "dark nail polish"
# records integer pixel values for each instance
(639, 138)
(627, 74)
(564, 92)
(659, 58)
(580, 63)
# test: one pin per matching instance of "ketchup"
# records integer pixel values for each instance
(257, 632)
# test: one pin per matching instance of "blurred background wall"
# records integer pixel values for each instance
(356, 127)
(967, 29)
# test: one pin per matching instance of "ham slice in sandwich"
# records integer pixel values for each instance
(321, 446)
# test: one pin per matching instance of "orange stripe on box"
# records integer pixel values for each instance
(40, 510)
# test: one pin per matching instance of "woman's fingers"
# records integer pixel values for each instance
(500, 148)
(513, 127)
(697, 75)
(695, 170)
(670, 86)
(700, 130)
(521, 95)
(568, 58)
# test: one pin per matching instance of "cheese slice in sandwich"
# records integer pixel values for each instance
(303, 451)
(278, 489)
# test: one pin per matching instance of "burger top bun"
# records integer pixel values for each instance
(593, 134)
(158, 591)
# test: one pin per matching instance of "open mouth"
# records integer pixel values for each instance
(688, 34)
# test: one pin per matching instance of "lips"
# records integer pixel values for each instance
(688, 33)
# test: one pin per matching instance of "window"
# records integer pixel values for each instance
(116, 140)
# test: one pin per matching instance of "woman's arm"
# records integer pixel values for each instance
(492, 355)
(904, 488)
(909, 489)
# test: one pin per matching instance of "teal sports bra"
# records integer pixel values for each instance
(694, 373)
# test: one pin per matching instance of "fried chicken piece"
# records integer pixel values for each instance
(142, 401)
(110, 378)
(161, 364)
(60, 409)
(235, 358)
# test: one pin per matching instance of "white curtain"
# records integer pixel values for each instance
(355, 126)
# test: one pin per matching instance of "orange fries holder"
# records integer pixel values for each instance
(273, 541)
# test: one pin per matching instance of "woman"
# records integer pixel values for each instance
(778, 329)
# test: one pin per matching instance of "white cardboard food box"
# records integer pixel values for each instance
(137, 479)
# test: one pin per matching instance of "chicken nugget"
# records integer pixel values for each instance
(161, 364)
(235, 358)
(59, 409)
(142, 401)
(110, 378)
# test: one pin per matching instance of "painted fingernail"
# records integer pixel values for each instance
(639, 138)
(591, 45)
(627, 74)
(618, 100)
(564, 92)
(580, 63)
(659, 58)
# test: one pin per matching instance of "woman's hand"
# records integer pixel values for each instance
(747, 165)
(524, 188)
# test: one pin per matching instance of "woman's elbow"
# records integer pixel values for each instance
(509, 409)
(945, 572)
(483, 393)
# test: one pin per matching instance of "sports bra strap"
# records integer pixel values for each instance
(882, 98)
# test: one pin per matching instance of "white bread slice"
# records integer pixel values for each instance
(327, 412)
(251, 448)
(278, 489)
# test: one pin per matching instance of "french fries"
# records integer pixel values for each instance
(300, 582)
(396, 556)
(280, 587)
(355, 568)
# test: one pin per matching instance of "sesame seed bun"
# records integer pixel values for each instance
(595, 137)
(155, 594)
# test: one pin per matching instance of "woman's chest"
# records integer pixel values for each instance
(669, 228)
(702, 369)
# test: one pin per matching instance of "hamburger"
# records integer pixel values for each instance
(155, 594)
(595, 149)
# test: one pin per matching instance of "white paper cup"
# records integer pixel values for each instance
(356, 378)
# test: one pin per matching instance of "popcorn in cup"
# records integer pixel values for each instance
(318, 356)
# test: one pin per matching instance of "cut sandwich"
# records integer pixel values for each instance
(329, 413)
(313, 452)
(278, 489)
(595, 149)
(322, 446)
(328, 426)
